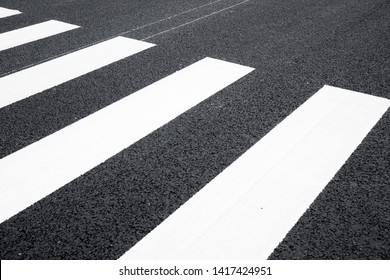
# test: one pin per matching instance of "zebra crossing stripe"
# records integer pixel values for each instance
(245, 211)
(33, 80)
(37, 170)
(33, 33)
(4, 12)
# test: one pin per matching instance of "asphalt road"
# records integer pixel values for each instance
(296, 47)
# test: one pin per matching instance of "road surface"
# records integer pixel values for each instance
(207, 129)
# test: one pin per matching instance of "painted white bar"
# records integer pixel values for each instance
(4, 12)
(33, 80)
(245, 211)
(41, 168)
(33, 33)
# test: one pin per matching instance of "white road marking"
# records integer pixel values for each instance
(4, 12)
(171, 17)
(34, 172)
(33, 33)
(248, 209)
(195, 20)
(33, 80)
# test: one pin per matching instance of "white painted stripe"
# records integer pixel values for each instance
(41, 168)
(30, 81)
(8, 12)
(33, 33)
(248, 209)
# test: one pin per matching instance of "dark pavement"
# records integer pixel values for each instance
(296, 47)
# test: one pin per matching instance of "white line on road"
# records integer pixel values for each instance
(33, 33)
(170, 17)
(8, 12)
(33, 80)
(195, 20)
(248, 209)
(34, 172)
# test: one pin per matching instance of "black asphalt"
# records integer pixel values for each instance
(296, 46)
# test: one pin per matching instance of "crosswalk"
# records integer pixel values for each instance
(233, 216)
(63, 156)
(253, 203)
(57, 71)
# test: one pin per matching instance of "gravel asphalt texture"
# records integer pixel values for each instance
(296, 47)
